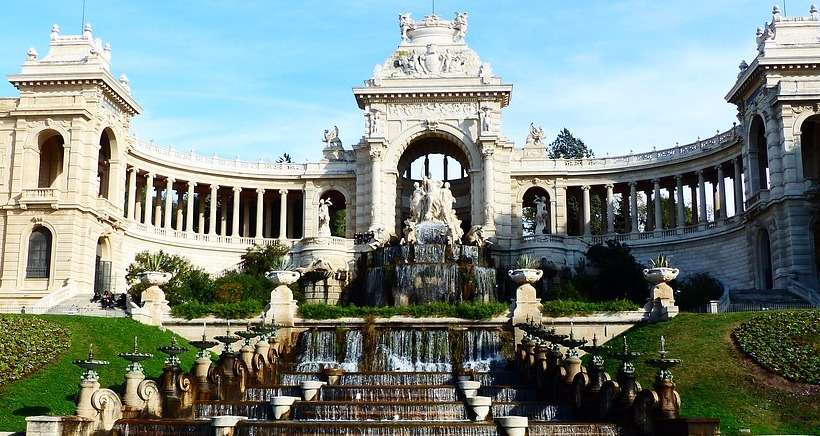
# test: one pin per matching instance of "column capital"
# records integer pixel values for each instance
(678, 178)
(738, 160)
(170, 180)
(260, 191)
(699, 173)
(214, 187)
(133, 169)
(609, 186)
(719, 167)
(633, 184)
(657, 182)
(149, 175)
(237, 189)
(191, 184)
(585, 187)
(283, 192)
(487, 152)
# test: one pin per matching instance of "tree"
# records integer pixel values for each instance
(567, 146)
(260, 259)
(284, 158)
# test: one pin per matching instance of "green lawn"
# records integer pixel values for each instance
(51, 390)
(715, 381)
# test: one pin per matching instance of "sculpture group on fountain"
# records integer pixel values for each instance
(432, 201)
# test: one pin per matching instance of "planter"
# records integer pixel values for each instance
(480, 407)
(525, 275)
(281, 406)
(279, 278)
(656, 276)
(513, 425)
(155, 278)
(310, 389)
(469, 387)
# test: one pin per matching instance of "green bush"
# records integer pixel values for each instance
(238, 310)
(250, 287)
(26, 344)
(575, 307)
(696, 290)
(787, 343)
(260, 259)
(615, 274)
(473, 311)
(180, 289)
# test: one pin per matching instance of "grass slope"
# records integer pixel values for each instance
(51, 390)
(716, 380)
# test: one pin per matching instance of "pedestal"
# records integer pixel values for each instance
(87, 389)
(282, 308)
(131, 399)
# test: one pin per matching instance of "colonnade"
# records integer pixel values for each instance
(202, 208)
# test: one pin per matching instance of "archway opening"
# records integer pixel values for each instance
(338, 212)
(759, 154)
(535, 212)
(104, 165)
(765, 274)
(816, 236)
(102, 267)
(809, 143)
(38, 262)
(437, 157)
(51, 149)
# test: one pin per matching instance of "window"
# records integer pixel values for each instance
(39, 254)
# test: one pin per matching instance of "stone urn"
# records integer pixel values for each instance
(281, 406)
(282, 307)
(662, 297)
(513, 425)
(310, 389)
(154, 305)
(468, 387)
(480, 407)
(526, 307)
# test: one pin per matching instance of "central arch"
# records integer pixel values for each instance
(439, 155)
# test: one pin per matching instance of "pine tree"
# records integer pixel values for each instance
(567, 146)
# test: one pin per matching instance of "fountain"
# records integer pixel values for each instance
(134, 377)
(89, 382)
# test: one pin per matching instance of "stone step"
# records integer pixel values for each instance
(764, 296)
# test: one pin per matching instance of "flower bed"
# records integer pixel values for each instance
(573, 307)
(786, 343)
(26, 344)
(474, 311)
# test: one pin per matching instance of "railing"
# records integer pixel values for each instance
(40, 196)
(167, 234)
(762, 307)
(216, 162)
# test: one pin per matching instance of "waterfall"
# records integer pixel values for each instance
(353, 350)
(414, 350)
(482, 350)
(316, 350)
(374, 283)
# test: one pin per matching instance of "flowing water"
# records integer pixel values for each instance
(380, 411)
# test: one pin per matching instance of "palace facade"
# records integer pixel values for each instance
(81, 195)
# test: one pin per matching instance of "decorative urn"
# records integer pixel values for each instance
(155, 278)
(658, 275)
(282, 277)
(522, 276)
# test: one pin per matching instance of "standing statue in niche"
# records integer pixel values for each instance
(540, 203)
(434, 204)
(417, 203)
(324, 217)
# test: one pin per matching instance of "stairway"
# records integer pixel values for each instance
(772, 298)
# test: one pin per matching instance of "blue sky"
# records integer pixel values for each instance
(259, 78)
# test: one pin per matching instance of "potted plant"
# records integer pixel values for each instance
(661, 271)
(156, 266)
(526, 271)
(283, 273)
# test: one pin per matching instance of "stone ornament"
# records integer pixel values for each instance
(535, 137)
(541, 214)
(433, 201)
(662, 297)
(324, 217)
(331, 138)
(433, 110)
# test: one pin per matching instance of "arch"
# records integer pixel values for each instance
(765, 275)
(758, 154)
(104, 156)
(50, 157)
(445, 131)
(338, 211)
(530, 222)
(39, 253)
(102, 266)
(810, 147)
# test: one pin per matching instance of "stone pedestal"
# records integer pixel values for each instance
(84, 407)
(154, 305)
(526, 307)
(661, 304)
(225, 425)
(282, 307)
(131, 399)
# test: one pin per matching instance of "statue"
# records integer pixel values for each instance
(460, 26)
(485, 72)
(324, 217)
(486, 124)
(432, 203)
(331, 138)
(433, 206)
(476, 237)
(536, 137)
(417, 203)
(374, 122)
(406, 24)
(448, 202)
(541, 205)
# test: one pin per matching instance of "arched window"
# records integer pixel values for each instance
(809, 152)
(39, 253)
(104, 165)
(758, 154)
(765, 260)
(535, 212)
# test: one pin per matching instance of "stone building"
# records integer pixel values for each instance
(82, 195)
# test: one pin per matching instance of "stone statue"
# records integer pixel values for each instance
(432, 60)
(324, 217)
(486, 123)
(331, 138)
(432, 208)
(417, 203)
(406, 24)
(476, 237)
(536, 136)
(434, 205)
(485, 72)
(540, 214)
(459, 24)
(374, 122)
(448, 212)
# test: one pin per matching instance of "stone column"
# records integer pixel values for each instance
(633, 206)
(260, 208)
(489, 210)
(149, 199)
(738, 180)
(235, 224)
(212, 211)
(681, 217)
(721, 191)
(587, 214)
(650, 215)
(693, 191)
(189, 208)
(702, 218)
(283, 214)
(375, 186)
(610, 210)
(169, 203)
(132, 192)
(656, 198)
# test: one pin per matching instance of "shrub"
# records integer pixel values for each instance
(260, 259)
(616, 274)
(237, 310)
(696, 290)
(787, 343)
(463, 310)
(574, 307)
(26, 344)
(246, 286)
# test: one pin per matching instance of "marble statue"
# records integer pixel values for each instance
(476, 237)
(375, 122)
(432, 201)
(331, 138)
(324, 217)
(486, 122)
(406, 24)
(417, 202)
(459, 24)
(536, 136)
(541, 212)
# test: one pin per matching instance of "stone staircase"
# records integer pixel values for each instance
(765, 299)
(82, 305)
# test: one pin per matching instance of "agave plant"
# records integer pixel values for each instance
(660, 262)
(284, 264)
(525, 261)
